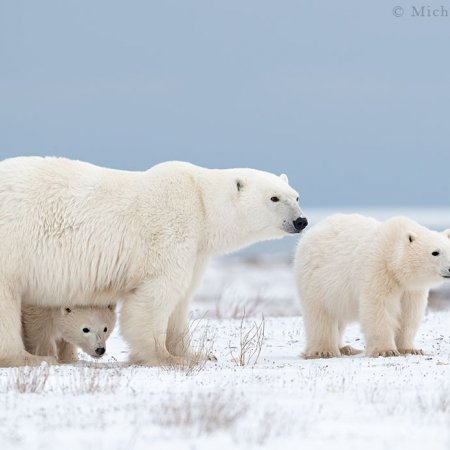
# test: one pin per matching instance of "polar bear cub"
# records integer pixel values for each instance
(354, 268)
(57, 332)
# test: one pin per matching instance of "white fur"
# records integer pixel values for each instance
(353, 268)
(89, 235)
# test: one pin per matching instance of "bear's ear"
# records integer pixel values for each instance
(284, 177)
(412, 237)
(447, 232)
(112, 307)
(239, 185)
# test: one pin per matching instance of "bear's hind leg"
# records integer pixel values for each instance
(12, 350)
(322, 334)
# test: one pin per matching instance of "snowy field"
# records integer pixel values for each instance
(260, 393)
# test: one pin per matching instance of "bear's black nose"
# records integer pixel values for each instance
(300, 223)
(100, 351)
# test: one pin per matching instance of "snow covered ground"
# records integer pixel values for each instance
(276, 401)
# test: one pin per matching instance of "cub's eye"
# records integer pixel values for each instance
(85, 330)
(68, 310)
(105, 329)
(275, 199)
(436, 253)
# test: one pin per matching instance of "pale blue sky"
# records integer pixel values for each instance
(352, 102)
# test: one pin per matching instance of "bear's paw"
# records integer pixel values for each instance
(384, 353)
(411, 351)
(348, 350)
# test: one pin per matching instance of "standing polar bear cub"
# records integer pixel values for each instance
(71, 231)
(353, 268)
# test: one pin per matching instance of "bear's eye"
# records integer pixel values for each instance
(435, 253)
(68, 310)
(296, 199)
(85, 330)
(105, 329)
(275, 199)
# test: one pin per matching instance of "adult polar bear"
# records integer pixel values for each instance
(74, 233)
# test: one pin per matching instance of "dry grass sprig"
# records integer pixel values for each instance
(93, 380)
(251, 341)
(28, 379)
(204, 413)
(198, 351)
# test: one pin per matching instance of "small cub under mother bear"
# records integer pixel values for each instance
(354, 268)
(56, 333)
(71, 230)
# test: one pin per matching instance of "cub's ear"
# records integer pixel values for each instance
(239, 185)
(112, 307)
(447, 232)
(284, 177)
(412, 237)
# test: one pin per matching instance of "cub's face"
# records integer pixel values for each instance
(429, 256)
(87, 327)
(268, 206)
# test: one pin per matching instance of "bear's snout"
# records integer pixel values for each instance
(100, 351)
(300, 223)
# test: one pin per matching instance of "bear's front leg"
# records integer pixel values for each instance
(379, 322)
(178, 341)
(144, 320)
(413, 305)
(12, 350)
(67, 353)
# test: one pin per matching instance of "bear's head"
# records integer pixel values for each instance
(266, 206)
(87, 327)
(423, 255)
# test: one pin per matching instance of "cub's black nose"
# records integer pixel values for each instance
(100, 351)
(300, 223)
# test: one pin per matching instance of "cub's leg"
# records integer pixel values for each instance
(12, 350)
(37, 330)
(346, 350)
(413, 306)
(322, 334)
(379, 322)
(144, 320)
(67, 353)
